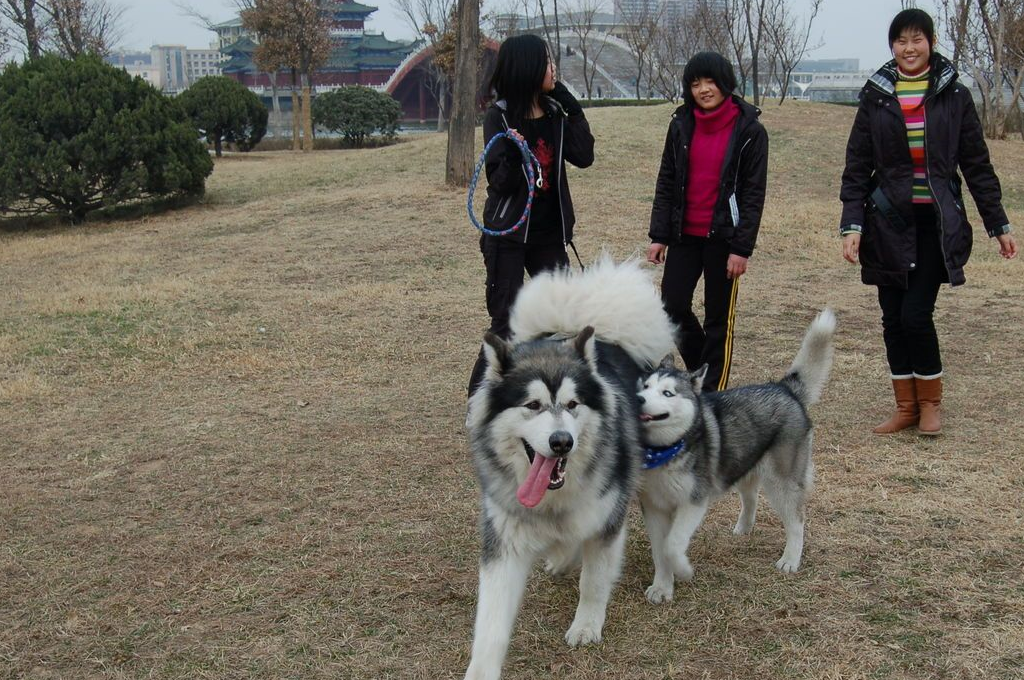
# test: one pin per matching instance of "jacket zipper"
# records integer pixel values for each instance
(735, 183)
(935, 199)
(526, 232)
(558, 181)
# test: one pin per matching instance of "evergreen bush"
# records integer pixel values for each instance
(78, 135)
(357, 112)
(224, 110)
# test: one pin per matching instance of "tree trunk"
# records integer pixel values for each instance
(218, 145)
(296, 113)
(32, 40)
(462, 127)
(307, 114)
(558, 41)
(275, 105)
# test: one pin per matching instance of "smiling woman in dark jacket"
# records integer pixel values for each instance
(533, 105)
(707, 210)
(903, 210)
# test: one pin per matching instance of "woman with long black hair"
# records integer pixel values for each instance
(903, 209)
(531, 104)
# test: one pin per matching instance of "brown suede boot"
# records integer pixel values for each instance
(907, 413)
(929, 397)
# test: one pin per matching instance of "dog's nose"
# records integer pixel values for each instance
(641, 399)
(560, 442)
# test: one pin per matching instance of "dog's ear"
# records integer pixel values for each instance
(497, 352)
(585, 345)
(668, 363)
(697, 378)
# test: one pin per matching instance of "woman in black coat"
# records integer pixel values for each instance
(532, 105)
(903, 211)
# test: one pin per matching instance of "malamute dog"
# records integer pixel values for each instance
(702, 445)
(554, 432)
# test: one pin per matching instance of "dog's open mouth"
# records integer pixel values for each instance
(647, 417)
(545, 473)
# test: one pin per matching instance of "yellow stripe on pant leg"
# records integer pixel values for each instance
(723, 380)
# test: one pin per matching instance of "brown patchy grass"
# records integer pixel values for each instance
(232, 444)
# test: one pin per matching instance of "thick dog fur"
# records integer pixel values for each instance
(753, 437)
(560, 398)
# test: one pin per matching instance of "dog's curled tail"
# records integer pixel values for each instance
(619, 301)
(809, 372)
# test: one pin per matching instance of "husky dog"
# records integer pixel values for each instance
(702, 445)
(554, 431)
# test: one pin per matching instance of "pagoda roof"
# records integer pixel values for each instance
(379, 42)
(349, 54)
(230, 23)
(352, 8)
(243, 46)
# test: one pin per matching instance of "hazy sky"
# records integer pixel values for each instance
(849, 28)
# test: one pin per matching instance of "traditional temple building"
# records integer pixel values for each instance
(357, 57)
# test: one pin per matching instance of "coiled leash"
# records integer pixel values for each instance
(534, 181)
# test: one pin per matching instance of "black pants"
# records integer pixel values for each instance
(507, 262)
(911, 344)
(710, 343)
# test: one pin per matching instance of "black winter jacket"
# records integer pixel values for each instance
(878, 155)
(506, 175)
(737, 213)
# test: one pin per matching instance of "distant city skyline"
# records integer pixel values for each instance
(848, 29)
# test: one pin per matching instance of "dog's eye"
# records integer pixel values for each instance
(572, 405)
(533, 405)
(667, 393)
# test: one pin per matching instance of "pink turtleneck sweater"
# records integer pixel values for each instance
(707, 153)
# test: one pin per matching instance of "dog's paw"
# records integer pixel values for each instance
(658, 595)
(787, 565)
(580, 634)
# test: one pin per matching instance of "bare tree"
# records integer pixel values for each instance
(506, 21)
(79, 27)
(755, 13)
(24, 19)
(672, 46)
(461, 132)
(640, 31)
(719, 26)
(581, 21)
(789, 40)
(988, 43)
(297, 33)
(5, 40)
(429, 19)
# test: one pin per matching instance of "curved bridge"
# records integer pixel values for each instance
(412, 84)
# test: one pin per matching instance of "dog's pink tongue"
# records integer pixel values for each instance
(531, 491)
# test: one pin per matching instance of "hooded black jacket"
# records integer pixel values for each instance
(506, 176)
(737, 213)
(878, 155)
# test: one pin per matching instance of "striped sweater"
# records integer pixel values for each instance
(910, 90)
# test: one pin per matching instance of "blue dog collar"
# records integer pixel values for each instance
(656, 457)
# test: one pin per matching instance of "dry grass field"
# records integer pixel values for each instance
(232, 445)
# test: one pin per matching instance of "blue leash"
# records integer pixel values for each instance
(534, 181)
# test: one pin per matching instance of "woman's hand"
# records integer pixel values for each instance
(736, 266)
(656, 253)
(851, 247)
(1007, 246)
